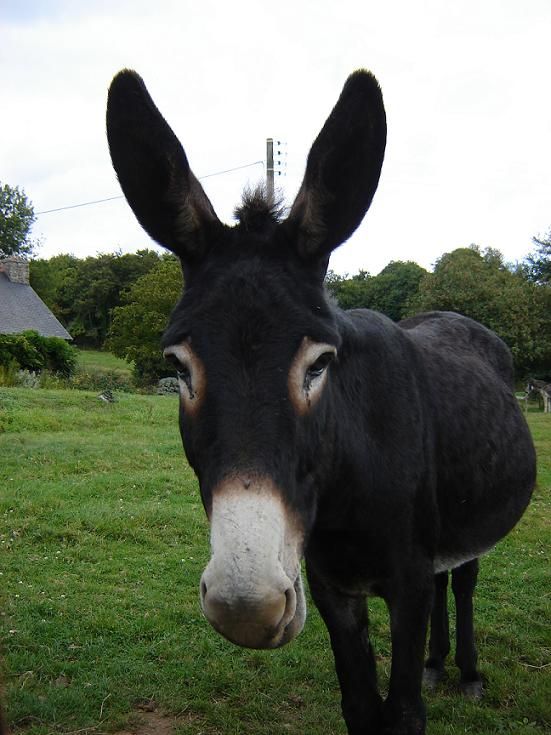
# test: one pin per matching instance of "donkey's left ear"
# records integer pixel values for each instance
(154, 172)
(342, 171)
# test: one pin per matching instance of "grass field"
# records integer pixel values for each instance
(99, 360)
(102, 542)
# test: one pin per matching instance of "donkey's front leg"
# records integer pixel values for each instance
(347, 622)
(409, 602)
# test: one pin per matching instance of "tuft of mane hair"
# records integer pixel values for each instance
(257, 209)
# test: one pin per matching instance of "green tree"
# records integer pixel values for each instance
(349, 292)
(393, 288)
(538, 263)
(389, 292)
(16, 221)
(138, 325)
(480, 285)
(48, 278)
(82, 293)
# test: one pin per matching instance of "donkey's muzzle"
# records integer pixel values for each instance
(254, 618)
(251, 590)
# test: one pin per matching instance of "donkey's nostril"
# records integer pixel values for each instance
(290, 607)
(255, 617)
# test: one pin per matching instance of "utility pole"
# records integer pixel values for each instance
(270, 167)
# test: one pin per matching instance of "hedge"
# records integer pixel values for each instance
(30, 351)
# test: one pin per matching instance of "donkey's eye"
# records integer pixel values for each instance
(190, 373)
(171, 358)
(318, 367)
(184, 374)
(182, 370)
(308, 374)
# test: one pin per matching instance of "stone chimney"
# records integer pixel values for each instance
(16, 268)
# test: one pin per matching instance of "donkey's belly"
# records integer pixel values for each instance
(465, 538)
(450, 560)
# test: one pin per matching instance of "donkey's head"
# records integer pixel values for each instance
(253, 340)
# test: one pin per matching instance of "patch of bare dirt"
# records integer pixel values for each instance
(147, 720)
(151, 723)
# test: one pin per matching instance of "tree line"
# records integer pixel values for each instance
(512, 300)
(83, 292)
(121, 302)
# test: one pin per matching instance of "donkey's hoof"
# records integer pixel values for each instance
(432, 677)
(472, 689)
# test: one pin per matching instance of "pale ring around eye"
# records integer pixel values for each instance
(190, 373)
(308, 373)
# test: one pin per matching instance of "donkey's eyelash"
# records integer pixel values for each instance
(173, 360)
(317, 367)
(183, 373)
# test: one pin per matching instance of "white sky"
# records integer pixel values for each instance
(466, 87)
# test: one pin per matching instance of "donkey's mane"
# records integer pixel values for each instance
(258, 209)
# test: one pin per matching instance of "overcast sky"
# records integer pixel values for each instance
(466, 88)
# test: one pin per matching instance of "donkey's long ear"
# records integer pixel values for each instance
(342, 171)
(154, 172)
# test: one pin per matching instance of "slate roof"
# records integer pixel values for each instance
(22, 309)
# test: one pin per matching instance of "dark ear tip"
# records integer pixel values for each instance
(127, 95)
(363, 82)
(125, 82)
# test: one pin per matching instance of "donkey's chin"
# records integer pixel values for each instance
(244, 628)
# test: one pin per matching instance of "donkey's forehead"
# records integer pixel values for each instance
(262, 299)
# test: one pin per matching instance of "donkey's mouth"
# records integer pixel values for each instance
(257, 623)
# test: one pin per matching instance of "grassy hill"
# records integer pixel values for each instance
(99, 360)
(103, 540)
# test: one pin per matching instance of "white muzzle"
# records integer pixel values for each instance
(251, 590)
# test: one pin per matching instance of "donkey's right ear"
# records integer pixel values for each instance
(342, 171)
(154, 172)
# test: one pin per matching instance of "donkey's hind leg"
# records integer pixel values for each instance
(439, 642)
(463, 586)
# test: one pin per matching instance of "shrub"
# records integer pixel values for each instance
(28, 379)
(30, 351)
(59, 357)
(18, 350)
(138, 325)
(167, 386)
(8, 374)
(101, 380)
(53, 381)
(148, 369)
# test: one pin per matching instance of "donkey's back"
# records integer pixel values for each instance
(446, 332)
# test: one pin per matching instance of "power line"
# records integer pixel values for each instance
(120, 196)
(83, 204)
(229, 170)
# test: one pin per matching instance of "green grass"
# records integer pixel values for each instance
(102, 543)
(96, 360)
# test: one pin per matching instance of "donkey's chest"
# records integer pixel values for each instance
(354, 564)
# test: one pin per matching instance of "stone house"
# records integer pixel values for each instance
(21, 309)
